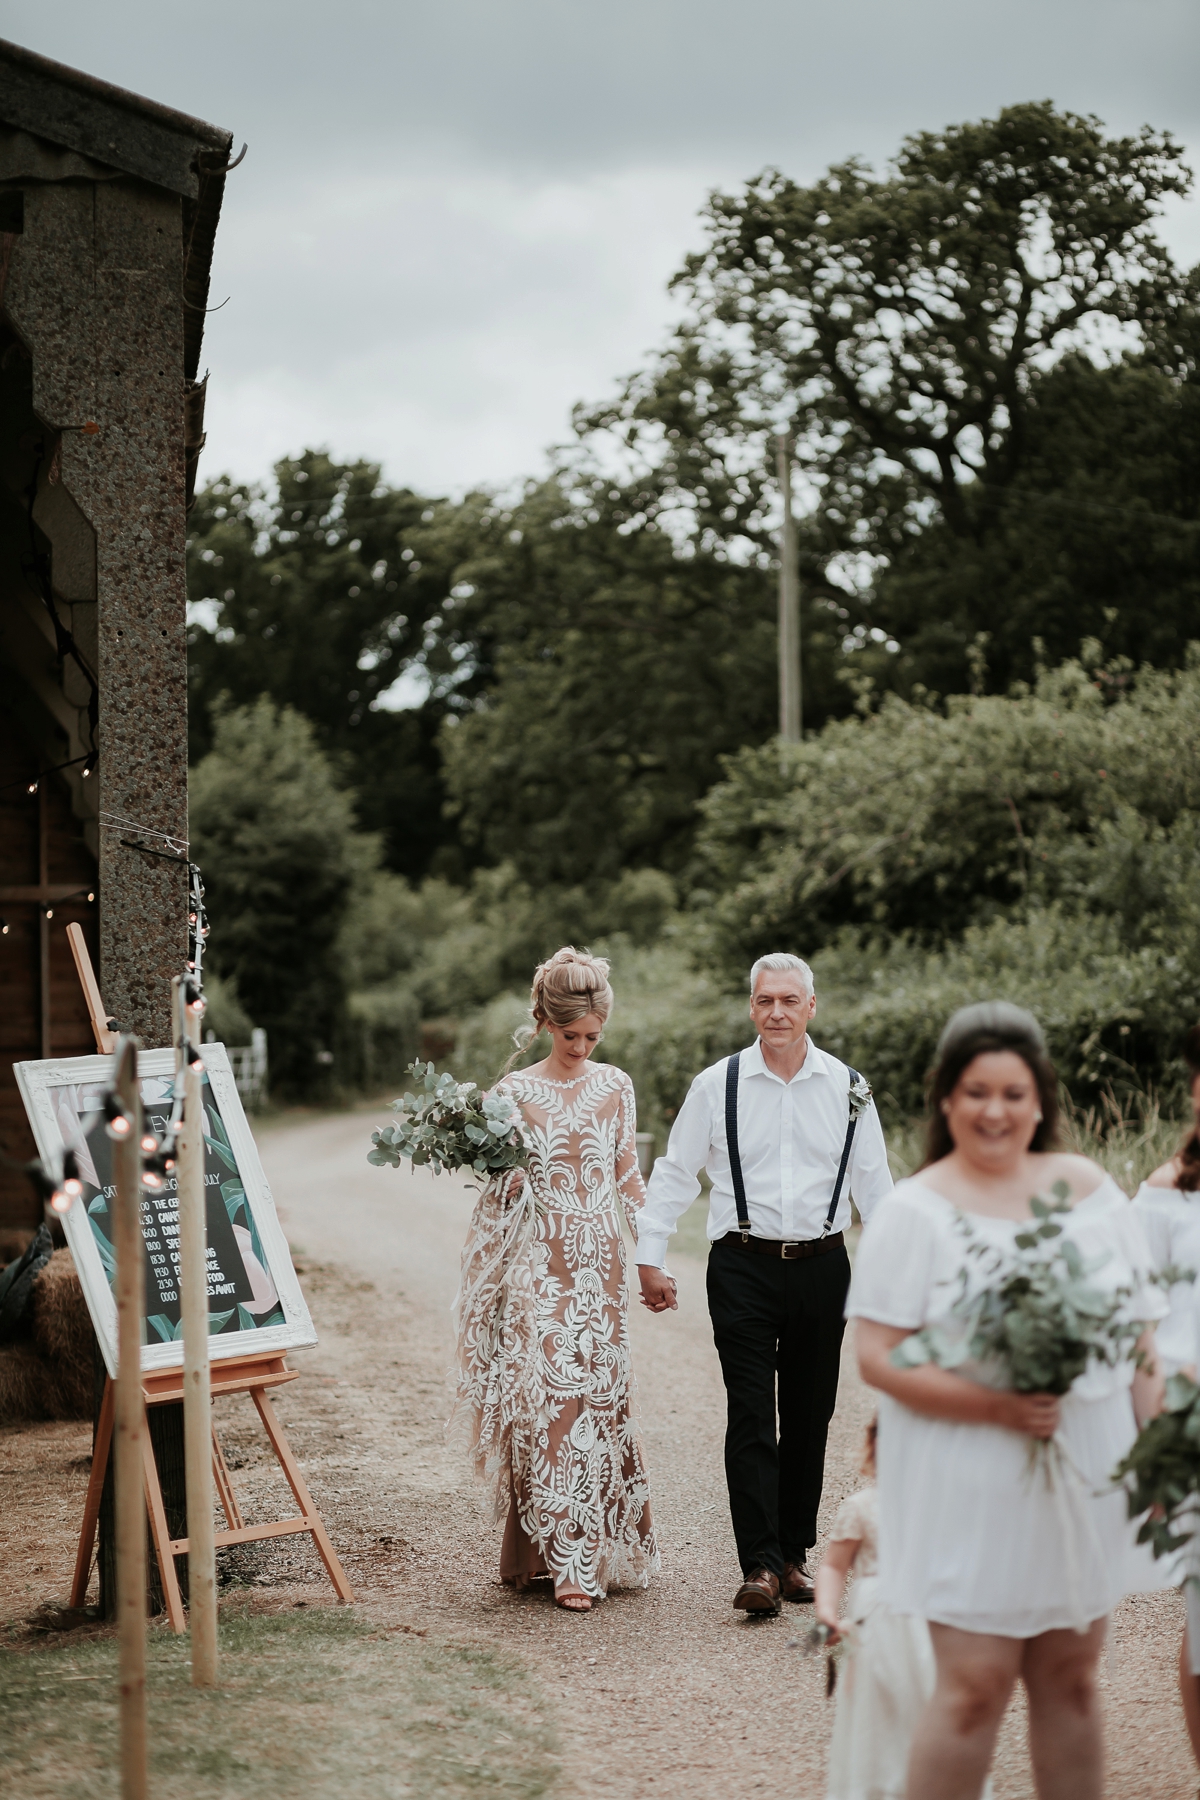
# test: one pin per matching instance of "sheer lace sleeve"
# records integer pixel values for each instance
(630, 1186)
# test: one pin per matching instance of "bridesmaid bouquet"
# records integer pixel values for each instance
(1039, 1320)
(452, 1126)
(1161, 1473)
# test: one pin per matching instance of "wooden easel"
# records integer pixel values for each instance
(253, 1374)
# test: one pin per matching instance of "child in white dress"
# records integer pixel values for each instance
(887, 1674)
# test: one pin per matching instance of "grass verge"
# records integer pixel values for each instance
(314, 1702)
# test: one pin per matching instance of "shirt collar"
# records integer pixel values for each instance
(753, 1063)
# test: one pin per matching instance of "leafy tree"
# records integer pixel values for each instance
(313, 598)
(274, 835)
(910, 328)
(605, 675)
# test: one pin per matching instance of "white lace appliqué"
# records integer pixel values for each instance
(544, 1385)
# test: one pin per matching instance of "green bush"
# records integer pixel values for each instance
(1113, 1017)
(918, 821)
(383, 1036)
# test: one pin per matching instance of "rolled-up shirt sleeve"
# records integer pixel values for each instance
(673, 1183)
(870, 1177)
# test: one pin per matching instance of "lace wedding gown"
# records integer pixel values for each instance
(544, 1381)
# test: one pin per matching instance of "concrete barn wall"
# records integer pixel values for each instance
(94, 290)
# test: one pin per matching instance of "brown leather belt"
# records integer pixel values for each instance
(789, 1251)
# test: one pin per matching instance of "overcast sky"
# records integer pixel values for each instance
(458, 217)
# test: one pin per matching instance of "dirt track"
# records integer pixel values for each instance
(666, 1692)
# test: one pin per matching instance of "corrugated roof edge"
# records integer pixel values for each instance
(213, 135)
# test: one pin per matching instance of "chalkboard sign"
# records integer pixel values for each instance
(254, 1299)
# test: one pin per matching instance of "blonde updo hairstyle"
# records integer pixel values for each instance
(567, 987)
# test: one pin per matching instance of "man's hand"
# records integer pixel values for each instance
(658, 1289)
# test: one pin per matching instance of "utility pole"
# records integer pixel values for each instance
(790, 719)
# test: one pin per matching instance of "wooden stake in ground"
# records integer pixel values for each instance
(790, 716)
(130, 1421)
(197, 1393)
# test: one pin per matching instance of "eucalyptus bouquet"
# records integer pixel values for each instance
(1161, 1473)
(451, 1125)
(1039, 1319)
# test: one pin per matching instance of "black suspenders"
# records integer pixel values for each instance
(735, 1155)
(731, 1138)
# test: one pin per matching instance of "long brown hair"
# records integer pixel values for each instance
(974, 1031)
(1188, 1157)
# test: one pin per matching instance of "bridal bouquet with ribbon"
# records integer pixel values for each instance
(1037, 1321)
(451, 1125)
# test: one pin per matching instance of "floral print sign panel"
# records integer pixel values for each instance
(241, 1292)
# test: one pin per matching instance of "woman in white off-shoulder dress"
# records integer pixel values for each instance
(1168, 1205)
(544, 1379)
(1014, 1574)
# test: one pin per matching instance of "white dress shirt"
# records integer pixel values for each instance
(790, 1136)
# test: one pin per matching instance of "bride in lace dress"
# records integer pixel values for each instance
(544, 1381)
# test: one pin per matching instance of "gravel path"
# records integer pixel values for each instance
(664, 1692)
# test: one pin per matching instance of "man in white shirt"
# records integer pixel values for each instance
(805, 1137)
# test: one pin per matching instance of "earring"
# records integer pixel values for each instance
(1037, 1118)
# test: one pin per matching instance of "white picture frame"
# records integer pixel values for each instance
(250, 1263)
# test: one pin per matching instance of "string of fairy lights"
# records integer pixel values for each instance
(60, 1186)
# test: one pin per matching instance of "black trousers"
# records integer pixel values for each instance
(778, 1328)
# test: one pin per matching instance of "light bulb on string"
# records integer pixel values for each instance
(89, 763)
(49, 912)
(67, 1189)
(31, 787)
(149, 1143)
(5, 927)
(155, 1170)
(118, 1123)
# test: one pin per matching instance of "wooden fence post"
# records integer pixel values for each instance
(130, 1423)
(197, 1390)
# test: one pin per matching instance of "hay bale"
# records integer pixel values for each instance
(49, 1376)
(28, 1389)
(62, 1332)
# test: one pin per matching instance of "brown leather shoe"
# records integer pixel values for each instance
(759, 1593)
(796, 1583)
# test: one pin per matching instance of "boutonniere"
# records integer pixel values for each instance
(860, 1097)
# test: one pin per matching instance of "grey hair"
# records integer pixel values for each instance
(782, 959)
